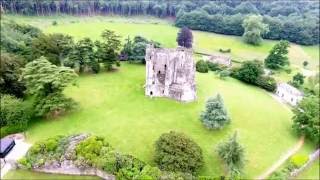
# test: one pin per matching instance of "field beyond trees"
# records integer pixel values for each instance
(164, 32)
(113, 104)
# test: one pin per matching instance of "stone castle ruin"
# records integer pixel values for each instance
(170, 73)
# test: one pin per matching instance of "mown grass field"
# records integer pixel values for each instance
(113, 104)
(164, 32)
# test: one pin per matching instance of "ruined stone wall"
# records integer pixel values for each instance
(170, 73)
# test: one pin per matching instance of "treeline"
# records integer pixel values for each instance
(296, 22)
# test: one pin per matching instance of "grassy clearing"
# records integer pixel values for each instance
(164, 32)
(114, 105)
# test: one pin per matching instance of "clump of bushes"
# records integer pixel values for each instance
(225, 50)
(251, 72)
(54, 23)
(14, 115)
(178, 153)
(202, 66)
(298, 160)
(93, 151)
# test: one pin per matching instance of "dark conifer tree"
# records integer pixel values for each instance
(185, 37)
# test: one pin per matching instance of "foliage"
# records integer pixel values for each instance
(55, 47)
(299, 160)
(232, 153)
(305, 63)
(83, 55)
(136, 49)
(14, 115)
(185, 37)
(313, 84)
(9, 75)
(224, 73)
(176, 152)
(267, 82)
(277, 57)
(215, 115)
(53, 105)
(202, 66)
(214, 66)
(254, 28)
(249, 71)
(107, 50)
(17, 38)
(306, 118)
(297, 80)
(296, 22)
(47, 81)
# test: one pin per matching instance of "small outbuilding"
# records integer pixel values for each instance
(289, 93)
(6, 145)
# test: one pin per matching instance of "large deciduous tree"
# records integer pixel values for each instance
(9, 75)
(232, 153)
(254, 28)
(107, 50)
(46, 82)
(83, 55)
(176, 152)
(250, 71)
(215, 115)
(306, 118)
(185, 37)
(277, 57)
(55, 47)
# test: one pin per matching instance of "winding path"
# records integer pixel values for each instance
(282, 159)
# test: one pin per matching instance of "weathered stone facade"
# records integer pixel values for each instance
(170, 73)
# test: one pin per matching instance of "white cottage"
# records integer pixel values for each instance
(289, 93)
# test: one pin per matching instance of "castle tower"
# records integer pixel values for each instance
(170, 73)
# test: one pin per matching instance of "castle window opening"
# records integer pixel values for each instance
(151, 93)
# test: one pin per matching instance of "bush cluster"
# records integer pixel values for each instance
(178, 153)
(14, 115)
(251, 72)
(202, 66)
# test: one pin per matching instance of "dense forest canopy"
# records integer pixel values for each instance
(297, 22)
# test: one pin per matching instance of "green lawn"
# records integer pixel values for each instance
(312, 172)
(23, 174)
(164, 32)
(114, 105)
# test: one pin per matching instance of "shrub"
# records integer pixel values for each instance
(213, 66)
(53, 105)
(266, 82)
(54, 23)
(249, 71)
(202, 66)
(223, 74)
(225, 50)
(14, 115)
(176, 152)
(298, 160)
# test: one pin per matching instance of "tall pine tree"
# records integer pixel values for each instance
(215, 115)
(232, 153)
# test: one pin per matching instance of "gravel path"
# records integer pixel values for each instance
(282, 159)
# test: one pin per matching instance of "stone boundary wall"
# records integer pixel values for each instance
(77, 171)
(312, 157)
